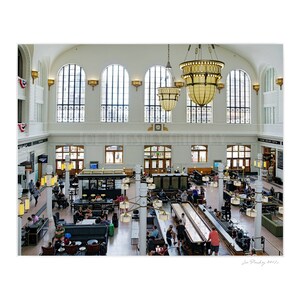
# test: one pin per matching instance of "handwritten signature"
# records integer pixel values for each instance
(260, 262)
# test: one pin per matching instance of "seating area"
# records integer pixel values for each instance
(273, 224)
(84, 233)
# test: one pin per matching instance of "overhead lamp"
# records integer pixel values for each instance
(251, 212)
(50, 83)
(235, 201)
(164, 216)
(157, 203)
(34, 75)
(179, 84)
(136, 83)
(151, 186)
(125, 186)
(202, 76)
(124, 205)
(256, 87)
(205, 178)
(220, 86)
(237, 183)
(279, 81)
(125, 217)
(168, 96)
(93, 83)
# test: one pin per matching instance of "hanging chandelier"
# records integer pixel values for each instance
(168, 96)
(202, 76)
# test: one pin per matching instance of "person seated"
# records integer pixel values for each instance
(164, 250)
(88, 213)
(98, 197)
(55, 189)
(59, 233)
(154, 232)
(151, 245)
(78, 215)
(61, 199)
(35, 218)
(162, 194)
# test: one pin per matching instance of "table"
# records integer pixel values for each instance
(78, 243)
(91, 242)
(86, 222)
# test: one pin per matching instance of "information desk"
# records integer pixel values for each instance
(170, 181)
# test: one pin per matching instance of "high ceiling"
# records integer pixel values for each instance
(258, 55)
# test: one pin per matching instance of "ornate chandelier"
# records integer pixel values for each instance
(201, 77)
(168, 96)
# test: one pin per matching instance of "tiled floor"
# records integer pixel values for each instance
(120, 243)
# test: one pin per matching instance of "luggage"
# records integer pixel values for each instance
(111, 229)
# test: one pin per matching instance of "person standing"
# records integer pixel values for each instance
(31, 187)
(213, 237)
(170, 234)
(180, 233)
(36, 194)
(183, 218)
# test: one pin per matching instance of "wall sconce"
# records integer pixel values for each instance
(50, 83)
(21, 209)
(93, 82)
(34, 75)
(256, 88)
(279, 81)
(179, 84)
(136, 83)
(220, 86)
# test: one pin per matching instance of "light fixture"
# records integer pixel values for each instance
(220, 86)
(168, 95)
(27, 204)
(279, 81)
(164, 216)
(93, 83)
(235, 200)
(125, 217)
(34, 75)
(136, 83)
(251, 212)
(157, 203)
(50, 83)
(205, 178)
(124, 205)
(151, 186)
(179, 84)
(21, 208)
(202, 76)
(256, 87)
(237, 183)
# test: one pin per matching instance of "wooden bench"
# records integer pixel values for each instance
(230, 242)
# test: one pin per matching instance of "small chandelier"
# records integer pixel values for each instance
(168, 96)
(202, 77)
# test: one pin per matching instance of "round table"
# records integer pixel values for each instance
(78, 243)
(91, 242)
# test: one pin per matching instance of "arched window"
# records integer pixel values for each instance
(239, 156)
(238, 97)
(115, 94)
(269, 81)
(199, 153)
(156, 76)
(71, 94)
(198, 114)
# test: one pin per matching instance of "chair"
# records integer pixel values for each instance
(57, 220)
(93, 249)
(71, 249)
(48, 250)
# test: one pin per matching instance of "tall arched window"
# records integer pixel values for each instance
(115, 94)
(156, 76)
(238, 97)
(198, 114)
(71, 94)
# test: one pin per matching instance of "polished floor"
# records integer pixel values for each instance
(120, 243)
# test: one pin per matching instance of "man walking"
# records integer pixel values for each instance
(213, 237)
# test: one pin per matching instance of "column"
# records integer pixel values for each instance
(27, 183)
(49, 191)
(137, 182)
(258, 206)
(67, 177)
(19, 235)
(143, 219)
(221, 185)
